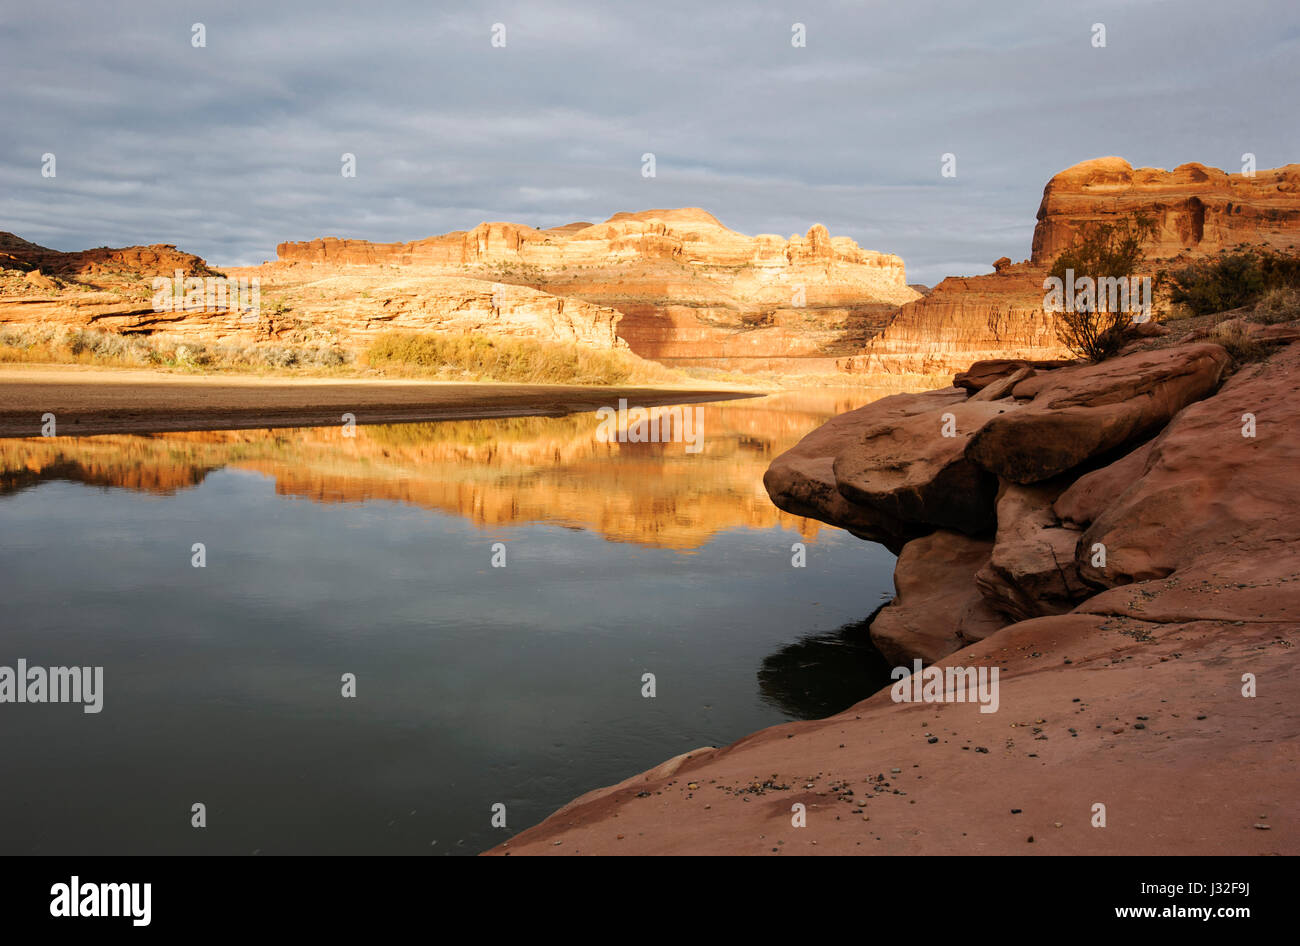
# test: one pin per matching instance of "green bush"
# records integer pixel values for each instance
(1111, 250)
(1232, 280)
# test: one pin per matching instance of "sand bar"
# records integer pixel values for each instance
(103, 401)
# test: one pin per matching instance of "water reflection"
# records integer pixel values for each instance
(494, 472)
(824, 674)
(476, 685)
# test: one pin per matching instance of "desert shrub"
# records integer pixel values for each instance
(508, 359)
(1111, 250)
(1231, 280)
(333, 357)
(1281, 304)
(1235, 338)
(193, 355)
(280, 357)
(24, 338)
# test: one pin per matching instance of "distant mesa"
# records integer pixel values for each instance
(684, 234)
(160, 259)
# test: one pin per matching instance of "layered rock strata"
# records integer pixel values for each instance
(688, 287)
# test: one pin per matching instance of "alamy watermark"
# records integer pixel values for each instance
(184, 293)
(676, 424)
(24, 684)
(80, 899)
(946, 685)
(1100, 294)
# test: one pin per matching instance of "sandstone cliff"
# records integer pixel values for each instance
(111, 290)
(1196, 211)
(157, 260)
(687, 286)
(673, 285)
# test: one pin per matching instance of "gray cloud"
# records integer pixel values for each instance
(227, 150)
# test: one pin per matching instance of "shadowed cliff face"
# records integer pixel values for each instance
(493, 472)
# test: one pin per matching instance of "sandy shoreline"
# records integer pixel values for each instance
(106, 401)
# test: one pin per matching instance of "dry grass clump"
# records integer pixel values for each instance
(1278, 305)
(110, 350)
(1234, 336)
(522, 360)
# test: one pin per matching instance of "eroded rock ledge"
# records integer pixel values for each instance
(1121, 676)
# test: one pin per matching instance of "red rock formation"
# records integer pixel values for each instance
(966, 319)
(104, 289)
(1194, 208)
(160, 259)
(938, 607)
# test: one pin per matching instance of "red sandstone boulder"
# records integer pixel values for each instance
(1003, 386)
(1282, 334)
(914, 469)
(1031, 571)
(802, 480)
(1077, 414)
(1089, 495)
(938, 608)
(1207, 493)
(983, 373)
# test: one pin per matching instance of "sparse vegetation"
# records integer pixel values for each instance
(1231, 280)
(1111, 250)
(521, 360)
(1235, 338)
(1281, 304)
(110, 350)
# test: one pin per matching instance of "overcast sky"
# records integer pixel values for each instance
(229, 149)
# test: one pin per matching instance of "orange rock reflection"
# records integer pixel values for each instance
(495, 473)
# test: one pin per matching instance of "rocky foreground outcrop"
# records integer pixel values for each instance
(1119, 541)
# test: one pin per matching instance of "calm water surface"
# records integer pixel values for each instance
(372, 556)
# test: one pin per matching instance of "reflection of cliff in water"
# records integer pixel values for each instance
(495, 472)
(824, 674)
